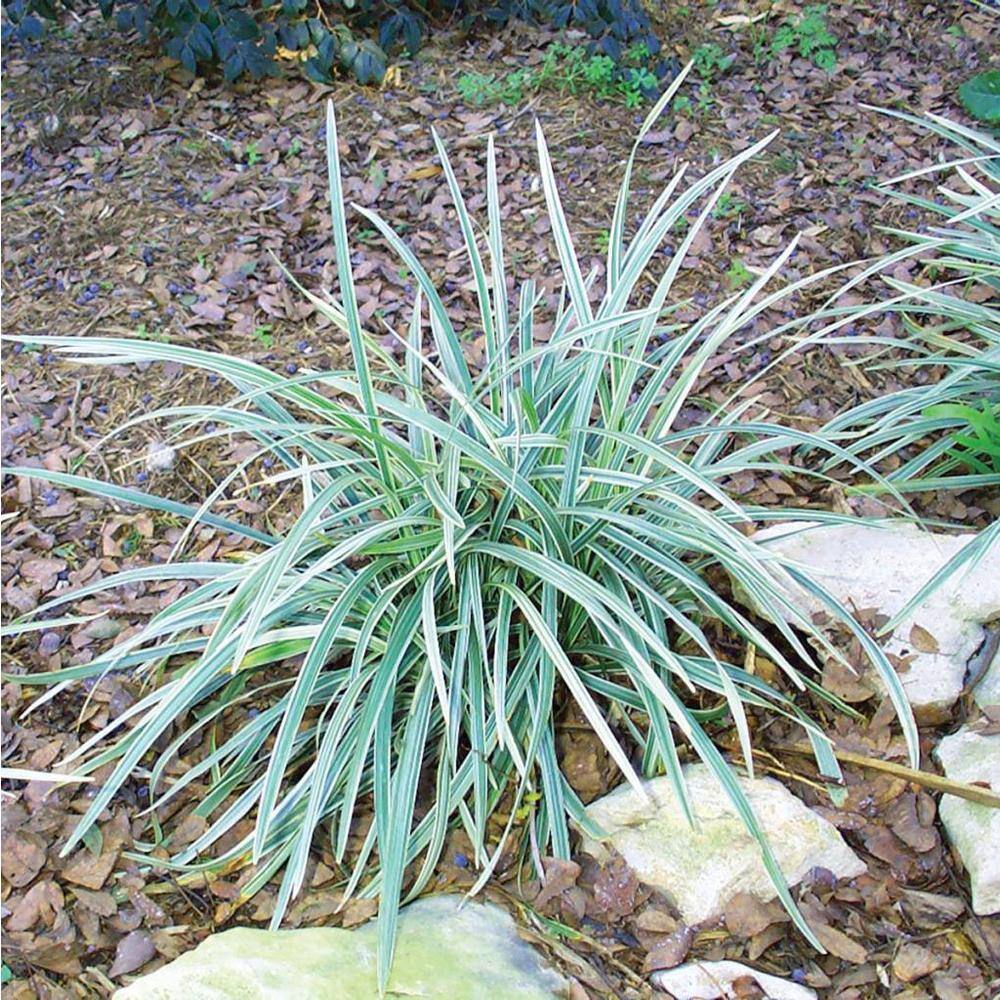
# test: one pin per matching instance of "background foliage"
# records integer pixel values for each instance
(944, 432)
(351, 36)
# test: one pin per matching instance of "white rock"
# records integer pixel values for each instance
(701, 869)
(713, 980)
(160, 457)
(869, 566)
(973, 829)
(444, 952)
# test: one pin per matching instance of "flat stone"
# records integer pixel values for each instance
(713, 981)
(700, 869)
(444, 952)
(883, 567)
(974, 829)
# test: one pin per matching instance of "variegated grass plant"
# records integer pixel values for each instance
(472, 548)
(941, 433)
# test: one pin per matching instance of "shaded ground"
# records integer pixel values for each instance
(139, 201)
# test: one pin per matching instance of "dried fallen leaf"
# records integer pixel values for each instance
(914, 961)
(45, 572)
(358, 911)
(923, 640)
(23, 856)
(759, 943)
(422, 173)
(616, 887)
(931, 909)
(671, 951)
(40, 903)
(949, 987)
(101, 903)
(846, 683)
(559, 875)
(54, 957)
(133, 952)
(655, 921)
(89, 871)
(838, 943)
(901, 815)
(747, 915)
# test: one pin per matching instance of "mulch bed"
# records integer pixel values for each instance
(140, 201)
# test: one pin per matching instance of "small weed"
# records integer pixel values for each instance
(263, 334)
(760, 42)
(809, 35)
(738, 274)
(976, 446)
(131, 544)
(784, 163)
(636, 85)
(704, 99)
(377, 175)
(295, 147)
(599, 73)
(729, 206)
(566, 69)
(603, 240)
(486, 88)
(144, 333)
(710, 60)
(252, 154)
(637, 54)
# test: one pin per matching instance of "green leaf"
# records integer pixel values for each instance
(980, 96)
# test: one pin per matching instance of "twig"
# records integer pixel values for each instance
(982, 796)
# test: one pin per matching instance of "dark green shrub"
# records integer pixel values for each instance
(615, 26)
(342, 36)
(244, 36)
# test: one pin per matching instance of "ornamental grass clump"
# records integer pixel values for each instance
(473, 547)
(940, 433)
